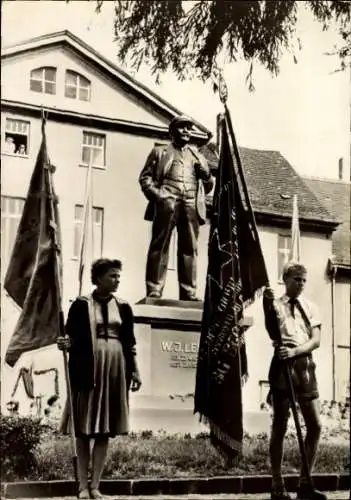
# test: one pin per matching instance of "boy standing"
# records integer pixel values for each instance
(299, 329)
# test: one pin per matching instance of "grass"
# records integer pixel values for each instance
(148, 455)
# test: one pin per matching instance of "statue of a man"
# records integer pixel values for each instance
(175, 179)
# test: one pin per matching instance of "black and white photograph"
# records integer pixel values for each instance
(175, 249)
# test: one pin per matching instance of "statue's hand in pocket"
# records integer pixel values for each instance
(163, 194)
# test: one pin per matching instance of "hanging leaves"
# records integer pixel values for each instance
(188, 37)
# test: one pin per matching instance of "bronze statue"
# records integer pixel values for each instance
(175, 179)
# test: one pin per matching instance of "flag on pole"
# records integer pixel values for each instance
(236, 273)
(31, 276)
(295, 250)
(86, 249)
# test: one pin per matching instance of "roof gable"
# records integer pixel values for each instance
(130, 85)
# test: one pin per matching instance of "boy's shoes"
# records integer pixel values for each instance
(95, 493)
(305, 492)
(280, 495)
(84, 493)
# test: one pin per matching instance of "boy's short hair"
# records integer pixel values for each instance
(292, 267)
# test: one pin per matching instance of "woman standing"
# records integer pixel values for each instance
(102, 368)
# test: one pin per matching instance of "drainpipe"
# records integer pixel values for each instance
(332, 273)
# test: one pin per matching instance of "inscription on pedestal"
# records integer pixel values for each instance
(173, 361)
(182, 354)
(168, 337)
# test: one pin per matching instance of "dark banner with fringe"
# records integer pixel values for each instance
(236, 273)
(31, 275)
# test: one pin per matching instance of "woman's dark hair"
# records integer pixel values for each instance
(102, 266)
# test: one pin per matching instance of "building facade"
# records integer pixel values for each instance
(336, 196)
(99, 114)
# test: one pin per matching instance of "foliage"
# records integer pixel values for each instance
(19, 441)
(343, 49)
(149, 454)
(188, 37)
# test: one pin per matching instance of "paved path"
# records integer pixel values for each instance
(335, 495)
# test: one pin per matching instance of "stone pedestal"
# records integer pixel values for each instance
(167, 334)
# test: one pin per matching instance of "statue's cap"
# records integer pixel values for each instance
(180, 120)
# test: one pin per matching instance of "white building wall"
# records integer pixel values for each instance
(125, 234)
(342, 338)
(108, 99)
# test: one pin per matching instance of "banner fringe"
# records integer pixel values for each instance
(231, 443)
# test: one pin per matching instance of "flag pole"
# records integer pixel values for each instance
(295, 251)
(87, 229)
(222, 88)
(58, 288)
(223, 95)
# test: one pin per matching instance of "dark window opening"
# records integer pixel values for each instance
(16, 137)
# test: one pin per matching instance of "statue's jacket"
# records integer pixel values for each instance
(157, 165)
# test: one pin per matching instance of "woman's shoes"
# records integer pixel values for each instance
(95, 493)
(84, 493)
(280, 495)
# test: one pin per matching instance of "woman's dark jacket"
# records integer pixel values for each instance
(81, 357)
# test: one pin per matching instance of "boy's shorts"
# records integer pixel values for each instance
(303, 377)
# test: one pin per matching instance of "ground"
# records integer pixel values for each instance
(334, 495)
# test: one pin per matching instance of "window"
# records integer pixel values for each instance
(284, 243)
(16, 137)
(93, 149)
(11, 212)
(97, 223)
(43, 80)
(77, 86)
(264, 390)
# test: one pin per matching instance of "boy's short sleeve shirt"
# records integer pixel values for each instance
(295, 330)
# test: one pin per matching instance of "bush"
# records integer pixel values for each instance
(19, 441)
(150, 454)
